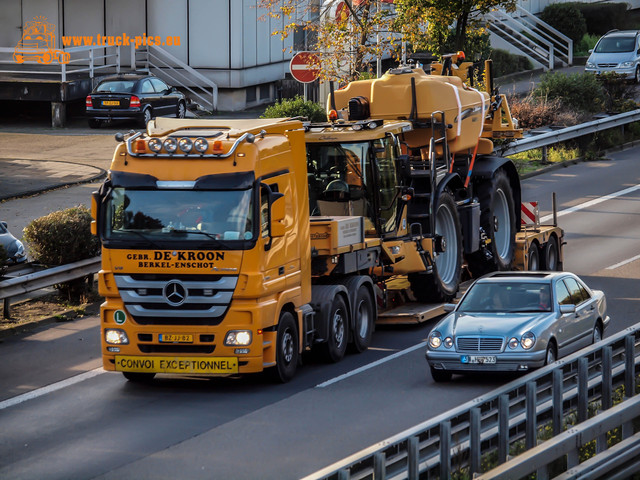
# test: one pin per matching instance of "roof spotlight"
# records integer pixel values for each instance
(185, 144)
(155, 145)
(170, 145)
(201, 144)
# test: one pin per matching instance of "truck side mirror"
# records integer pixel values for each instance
(95, 202)
(277, 216)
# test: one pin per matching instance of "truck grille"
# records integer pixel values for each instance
(479, 344)
(167, 300)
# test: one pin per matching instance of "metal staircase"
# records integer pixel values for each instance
(527, 35)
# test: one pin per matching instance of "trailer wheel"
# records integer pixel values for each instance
(336, 345)
(498, 220)
(139, 377)
(363, 321)
(442, 284)
(551, 258)
(533, 265)
(286, 349)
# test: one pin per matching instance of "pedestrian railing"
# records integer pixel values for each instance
(13, 287)
(579, 413)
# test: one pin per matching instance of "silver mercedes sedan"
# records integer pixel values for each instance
(514, 322)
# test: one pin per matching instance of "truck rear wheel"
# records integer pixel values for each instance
(336, 345)
(442, 284)
(286, 349)
(363, 313)
(533, 264)
(498, 220)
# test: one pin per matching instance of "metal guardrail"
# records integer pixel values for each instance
(31, 282)
(568, 133)
(570, 401)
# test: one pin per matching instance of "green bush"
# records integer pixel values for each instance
(578, 91)
(505, 63)
(3, 259)
(618, 93)
(296, 107)
(602, 17)
(588, 42)
(567, 18)
(60, 238)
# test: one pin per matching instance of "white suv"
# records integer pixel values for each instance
(616, 51)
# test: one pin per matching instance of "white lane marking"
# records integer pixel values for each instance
(624, 262)
(370, 365)
(51, 388)
(590, 203)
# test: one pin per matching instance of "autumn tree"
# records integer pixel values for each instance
(349, 34)
(445, 20)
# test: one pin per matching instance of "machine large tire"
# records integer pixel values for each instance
(363, 321)
(336, 345)
(286, 349)
(534, 258)
(498, 219)
(442, 284)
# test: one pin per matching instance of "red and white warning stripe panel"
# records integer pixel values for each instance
(529, 214)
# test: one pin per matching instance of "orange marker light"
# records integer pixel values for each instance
(217, 147)
(140, 146)
(333, 115)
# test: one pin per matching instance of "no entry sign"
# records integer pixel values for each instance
(305, 66)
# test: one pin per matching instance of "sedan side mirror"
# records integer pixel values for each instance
(449, 307)
(567, 309)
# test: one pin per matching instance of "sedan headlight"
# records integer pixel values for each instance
(435, 340)
(238, 337)
(528, 340)
(115, 336)
(513, 343)
(448, 342)
(20, 250)
(626, 64)
(590, 65)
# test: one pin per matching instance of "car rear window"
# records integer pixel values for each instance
(118, 86)
(616, 45)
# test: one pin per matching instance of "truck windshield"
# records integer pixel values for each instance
(179, 215)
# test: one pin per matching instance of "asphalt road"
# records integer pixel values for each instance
(61, 417)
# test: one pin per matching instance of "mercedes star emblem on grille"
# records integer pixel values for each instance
(175, 293)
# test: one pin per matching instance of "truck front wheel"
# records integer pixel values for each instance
(442, 284)
(363, 321)
(286, 349)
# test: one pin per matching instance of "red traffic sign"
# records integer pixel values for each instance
(305, 66)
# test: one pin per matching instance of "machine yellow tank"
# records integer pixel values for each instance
(409, 93)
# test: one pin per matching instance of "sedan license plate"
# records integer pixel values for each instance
(175, 338)
(478, 359)
(111, 102)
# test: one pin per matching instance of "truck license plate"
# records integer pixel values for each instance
(111, 102)
(175, 338)
(184, 365)
(478, 359)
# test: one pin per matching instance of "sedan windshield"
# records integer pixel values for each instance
(179, 215)
(506, 297)
(616, 45)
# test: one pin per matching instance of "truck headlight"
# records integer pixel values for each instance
(238, 337)
(528, 340)
(115, 336)
(435, 340)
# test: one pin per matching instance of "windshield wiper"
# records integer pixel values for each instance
(197, 232)
(144, 237)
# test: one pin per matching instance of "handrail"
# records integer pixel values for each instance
(514, 413)
(46, 278)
